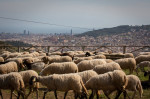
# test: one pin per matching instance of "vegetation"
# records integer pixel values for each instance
(115, 30)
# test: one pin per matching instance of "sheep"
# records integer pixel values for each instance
(19, 62)
(67, 54)
(127, 63)
(61, 82)
(128, 55)
(56, 59)
(142, 58)
(81, 59)
(37, 66)
(142, 65)
(26, 76)
(8, 67)
(134, 84)
(100, 56)
(12, 81)
(60, 68)
(101, 69)
(89, 64)
(108, 82)
(1, 59)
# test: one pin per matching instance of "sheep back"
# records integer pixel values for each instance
(8, 67)
(60, 68)
(89, 64)
(100, 69)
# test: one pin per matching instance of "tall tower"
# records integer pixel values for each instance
(71, 33)
(24, 32)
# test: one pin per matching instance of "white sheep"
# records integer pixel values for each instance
(50, 60)
(134, 84)
(26, 76)
(82, 59)
(100, 56)
(19, 62)
(142, 65)
(12, 81)
(127, 63)
(8, 67)
(142, 58)
(108, 82)
(89, 64)
(61, 82)
(1, 59)
(60, 68)
(101, 69)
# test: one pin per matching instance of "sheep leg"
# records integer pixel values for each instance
(106, 94)
(92, 95)
(37, 94)
(55, 94)
(134, 94)
(11, 94)
(45, 93)
(118, 94)
(1, 94)
(29, 92)
(97, 95)
(125, 94)
(65, 94)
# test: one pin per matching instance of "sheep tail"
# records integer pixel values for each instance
(84, 88)
(21, 84)
(140, 89)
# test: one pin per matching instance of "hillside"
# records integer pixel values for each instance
(115, 30)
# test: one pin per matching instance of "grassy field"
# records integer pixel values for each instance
(70, 95)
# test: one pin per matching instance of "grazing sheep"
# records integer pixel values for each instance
(8, 67)
(63, 82)
(37, 66)
(101, 69)
(12, 81)
(81, 59)
(108, 82)
(50, 60)
(142, 58)
(1, 59)
(89, 64)
(134, 84)
(142, 65)
(26, 76)
(60, 68)
(18, 61)
(127, 63)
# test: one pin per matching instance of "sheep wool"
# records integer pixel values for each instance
(89, 64)
(101, 69)
(1, 59)
(63, 82)
(60, 68)
(109, 81)
(86, 75)
(127, 63)
(8, 67)
(142, 58)
(134, 84)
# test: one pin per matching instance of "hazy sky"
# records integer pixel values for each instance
(77, 13)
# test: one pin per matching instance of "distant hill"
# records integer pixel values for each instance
(115, 30)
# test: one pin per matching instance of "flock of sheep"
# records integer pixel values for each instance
(73, 70)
